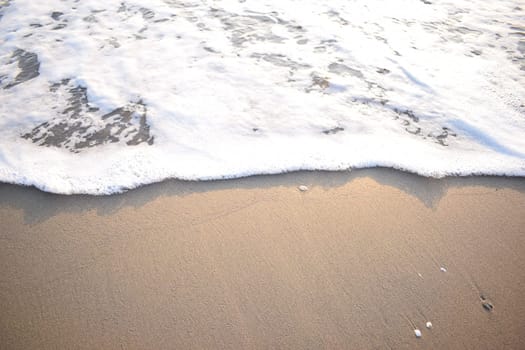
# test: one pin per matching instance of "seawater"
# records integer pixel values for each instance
(102, 96)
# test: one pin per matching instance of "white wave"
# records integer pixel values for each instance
(102, 96)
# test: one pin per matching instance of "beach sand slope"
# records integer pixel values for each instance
(355, 261)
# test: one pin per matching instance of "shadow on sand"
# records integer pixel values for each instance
(39, 206)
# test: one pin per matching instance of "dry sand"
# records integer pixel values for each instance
(352, 263)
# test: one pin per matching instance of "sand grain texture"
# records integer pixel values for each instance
(354, 262)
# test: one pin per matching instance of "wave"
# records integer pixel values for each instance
(99, 98)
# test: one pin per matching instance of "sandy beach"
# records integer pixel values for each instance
(358, 261)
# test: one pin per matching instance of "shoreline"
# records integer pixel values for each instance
(267, 177)
(381, 173)
(358, 260)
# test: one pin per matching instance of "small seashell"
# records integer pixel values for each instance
(417, 332)
(303, 188)
(429, 325)
(443, 269)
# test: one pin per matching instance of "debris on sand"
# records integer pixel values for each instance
(487, 305)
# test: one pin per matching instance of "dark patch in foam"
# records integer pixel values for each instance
(408, 113)
(280, 60)
(333, 131)
(476, 52)
(342, 69)
(337, 17)
(521, 47)
(442, 137)
(210, 49)
(56, 15)
(147, 13)
(90, 19)
(318, 83)
(82, 127)
(59, 26)
(254, 26)
(410, 120)
(27, 63)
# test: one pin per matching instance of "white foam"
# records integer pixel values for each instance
(258, 87)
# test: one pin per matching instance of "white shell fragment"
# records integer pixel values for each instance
(443, 269)
(429, 325)
(417, 332)
(303, 188)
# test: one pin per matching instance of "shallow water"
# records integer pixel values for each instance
(99, 98)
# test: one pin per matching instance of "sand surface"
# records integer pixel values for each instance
(355, 262)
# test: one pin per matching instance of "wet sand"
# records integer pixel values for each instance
(356, 262)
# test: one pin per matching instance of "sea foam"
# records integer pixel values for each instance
(102, 96)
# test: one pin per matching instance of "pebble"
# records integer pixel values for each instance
(303, 188)
(487, 305)
(417, 332)
(429, 325)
